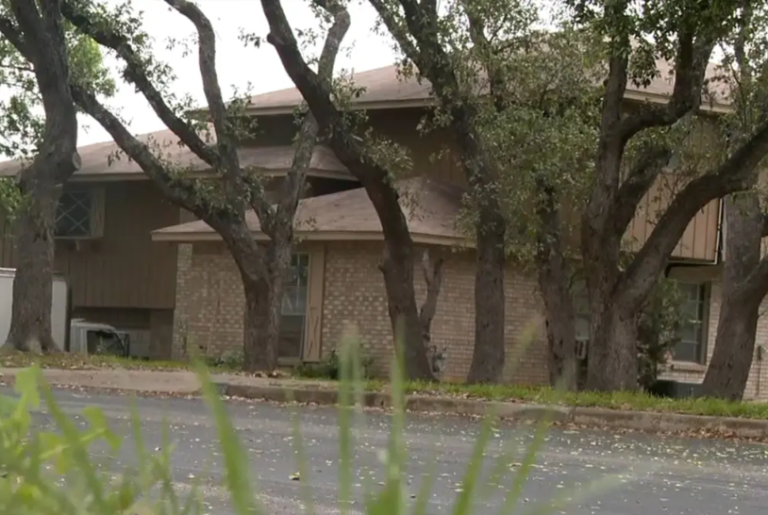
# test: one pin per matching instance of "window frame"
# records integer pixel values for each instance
(95, 199)
(704, 300)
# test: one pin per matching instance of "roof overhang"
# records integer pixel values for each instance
(630, 95)
(211, 236)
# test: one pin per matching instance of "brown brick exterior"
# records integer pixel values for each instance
(209, 311)
(209, 308)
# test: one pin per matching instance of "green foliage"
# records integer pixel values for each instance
(232, 360)
(659, 328)
(36, 462)
(330, 368)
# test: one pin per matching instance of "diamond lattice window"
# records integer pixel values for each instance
(73, 216)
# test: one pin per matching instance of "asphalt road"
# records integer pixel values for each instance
(649, 475)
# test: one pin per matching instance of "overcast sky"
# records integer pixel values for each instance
(237, 65)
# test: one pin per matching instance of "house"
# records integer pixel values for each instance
(106, 214)
(341, 248)
(142, 264)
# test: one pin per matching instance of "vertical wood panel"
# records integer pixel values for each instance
(124, 268)
(313, 329)
(699, 241)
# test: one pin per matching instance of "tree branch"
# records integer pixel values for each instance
(238, 191)
(347, 147)
(136, 73)
(307, 139)
(433, 277)
(14, 36)
(690, 69)
(496, 77)
(181, 191)
(398, 31)
(39, 37)
(639, 181)
(735, 174)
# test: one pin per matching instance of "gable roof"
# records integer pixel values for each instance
(386, 89)
(431, 207)
(99, 162)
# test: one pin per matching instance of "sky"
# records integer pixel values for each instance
(238, 65)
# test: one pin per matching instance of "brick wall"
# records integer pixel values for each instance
(209, 308)
(355, 295)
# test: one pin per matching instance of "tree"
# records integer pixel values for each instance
(221, 203)
(37, 32)
(451, 49)
(745, 271)
(684, 34)
(546, 142)
(367, 156)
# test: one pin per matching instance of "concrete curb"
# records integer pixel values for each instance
(652, 422)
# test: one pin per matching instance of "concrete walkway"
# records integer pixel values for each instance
(157, 381)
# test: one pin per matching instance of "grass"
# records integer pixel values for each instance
(637, 401)
(67, 361)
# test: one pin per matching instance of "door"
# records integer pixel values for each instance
(294, 309)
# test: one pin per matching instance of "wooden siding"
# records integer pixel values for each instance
(700, 240)
(431, 156)
(124, 268)
(428, 151)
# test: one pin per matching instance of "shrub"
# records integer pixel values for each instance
(330, 368)
(658, 331)
(231, 359)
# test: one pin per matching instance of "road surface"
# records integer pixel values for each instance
(651, 475)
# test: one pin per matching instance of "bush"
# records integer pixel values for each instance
(35, 463)
(231, 360)
(658, 331)
(331, 368)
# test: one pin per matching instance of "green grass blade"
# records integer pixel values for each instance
(237, 473)
(301, 458)
(463, 503)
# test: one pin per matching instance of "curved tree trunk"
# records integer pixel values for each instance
(397, 267)
(489, 353)
(33, 283)
(39, 37)
(744, 286)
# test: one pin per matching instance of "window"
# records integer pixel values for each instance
(693, 335)
(79, 213)
(580, 310)
(294, 308)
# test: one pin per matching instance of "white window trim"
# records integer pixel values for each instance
(96, 216)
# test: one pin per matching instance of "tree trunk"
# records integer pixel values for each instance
(261, 326)
(613, 362)
(33, 283)
(404, 312)
(561, 331)
(488, 353)
(742, 294)
(558, 303)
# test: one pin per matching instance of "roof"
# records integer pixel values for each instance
(385, 88)
(432, 208)
(99, 162)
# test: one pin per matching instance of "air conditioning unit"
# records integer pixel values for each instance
(675, 389)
